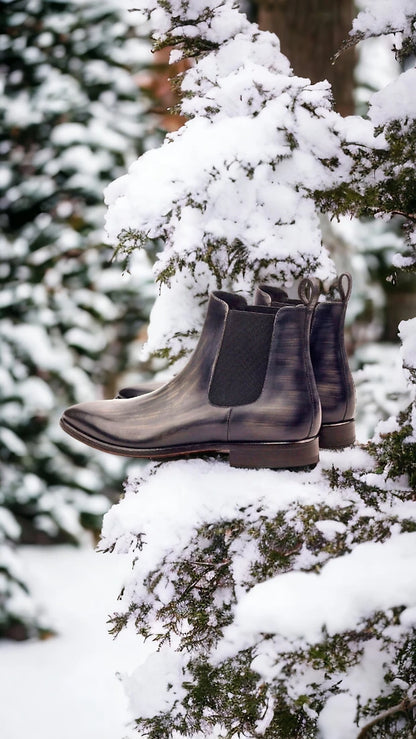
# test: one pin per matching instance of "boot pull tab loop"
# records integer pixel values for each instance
(309, 291)
(267, 295)
(345, 291)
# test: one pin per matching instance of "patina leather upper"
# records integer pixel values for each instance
(181, 412)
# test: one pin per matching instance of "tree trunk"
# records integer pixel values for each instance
(310, 32)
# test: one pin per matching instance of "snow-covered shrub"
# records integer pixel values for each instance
(280, 604)
(72, 120)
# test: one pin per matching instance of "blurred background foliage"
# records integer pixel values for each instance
(72, 119)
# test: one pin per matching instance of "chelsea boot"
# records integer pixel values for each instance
(248, 390)
(329, 361)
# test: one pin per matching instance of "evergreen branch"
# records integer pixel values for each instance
(198, 46)
(348, 42)
(402, 707)
(208, 565)
(355, 39)
(410, 217)
(198, 578)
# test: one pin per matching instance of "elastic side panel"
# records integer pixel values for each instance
(242, 362)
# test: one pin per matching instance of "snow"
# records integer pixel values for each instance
(180, 508)
(376, 65)
(35, 341)
(153, 687)
(68, 683)
(375, 576)
(171, 496)
(408, 617)
(407, 333)
(67, 133)
(322, 595)
(330, 529)
(8, 525)
(384, 16)
(336, 719)
(398, 95)
(78, 588)
(164, 321)
(12, 442)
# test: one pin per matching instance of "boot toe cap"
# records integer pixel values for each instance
(94, 421)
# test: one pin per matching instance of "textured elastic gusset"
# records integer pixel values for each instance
(241, 366)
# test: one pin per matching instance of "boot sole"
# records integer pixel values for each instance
(273, 455)
(337, 435)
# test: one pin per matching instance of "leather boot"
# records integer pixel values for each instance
(329, 359)
(248, 391)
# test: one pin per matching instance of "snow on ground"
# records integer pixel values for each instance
(67, 686)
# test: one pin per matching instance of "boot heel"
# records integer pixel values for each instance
(279, 455)
(337, 435)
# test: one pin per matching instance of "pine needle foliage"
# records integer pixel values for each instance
(205, 576)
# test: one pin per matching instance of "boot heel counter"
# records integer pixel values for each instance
(350, 399)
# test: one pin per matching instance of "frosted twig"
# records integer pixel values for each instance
(410, 216)
(402, 707)
(208, 565)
